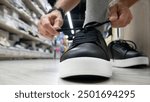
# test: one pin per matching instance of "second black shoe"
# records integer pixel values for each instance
(88, 55)
(124, 54)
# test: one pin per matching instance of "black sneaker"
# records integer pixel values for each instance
(88, 55)
(124, 54)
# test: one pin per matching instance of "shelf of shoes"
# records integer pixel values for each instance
(41, 5)
(17, 26)
(44, 5)
(14, 46)
(21, 24)
(22, 33)
(34, 7)
(24, 15)
(11, 52)
(25, 27)
(9, 41)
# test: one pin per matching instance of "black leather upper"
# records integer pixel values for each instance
(120, 49)
(87, 43)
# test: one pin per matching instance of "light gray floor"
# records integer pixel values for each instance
(45, 72)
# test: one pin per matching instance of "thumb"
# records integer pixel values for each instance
(113, 13)
(58, 24)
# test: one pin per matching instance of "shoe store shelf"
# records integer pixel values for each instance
(42, 7)
(19, 36)
(22, 33)
(6, 53)
(22, 14)
(36, 9)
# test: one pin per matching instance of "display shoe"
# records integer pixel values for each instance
(88, 55)
(124, 54)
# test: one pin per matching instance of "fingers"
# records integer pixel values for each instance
(119, 15)
(125, 18)
(49, 24)
(113, 16)
(58, 23)
(45, 33)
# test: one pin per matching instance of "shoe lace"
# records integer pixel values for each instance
(82, 38)
(87, 26)
(127, 45)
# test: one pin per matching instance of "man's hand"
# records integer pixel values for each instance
(119, 15)
(50, 23)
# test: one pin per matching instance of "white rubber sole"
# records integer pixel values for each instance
(130, 62)
(85, 66)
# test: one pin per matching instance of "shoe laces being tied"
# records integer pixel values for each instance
(82, 38)
(88, 25)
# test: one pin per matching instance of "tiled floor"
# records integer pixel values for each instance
(45, 72)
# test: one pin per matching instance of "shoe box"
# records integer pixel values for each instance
(7, 16)
(23, 25)
(12, 40)
(35, 18)
(4, 11)
(8, 39)
(20, 6)
(4, 36)
(34, 31)
(45, 4)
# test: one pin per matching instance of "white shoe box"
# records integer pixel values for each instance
(5, 10)
(4, 36)
(14, 37)
(10, 21)
(20, 6)
(1, 16)
(6, 15)
(45, 4)
(2, 12)
(35, 18)
(15, 14)
(34, 30)
(23, 25)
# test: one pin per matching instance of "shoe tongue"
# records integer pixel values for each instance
(90, 36)
(95, 24)
(91, 25)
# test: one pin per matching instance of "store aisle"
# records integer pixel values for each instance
(45, 72)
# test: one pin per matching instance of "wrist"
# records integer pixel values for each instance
(124, 2)
(127, 3)
(58, 9)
